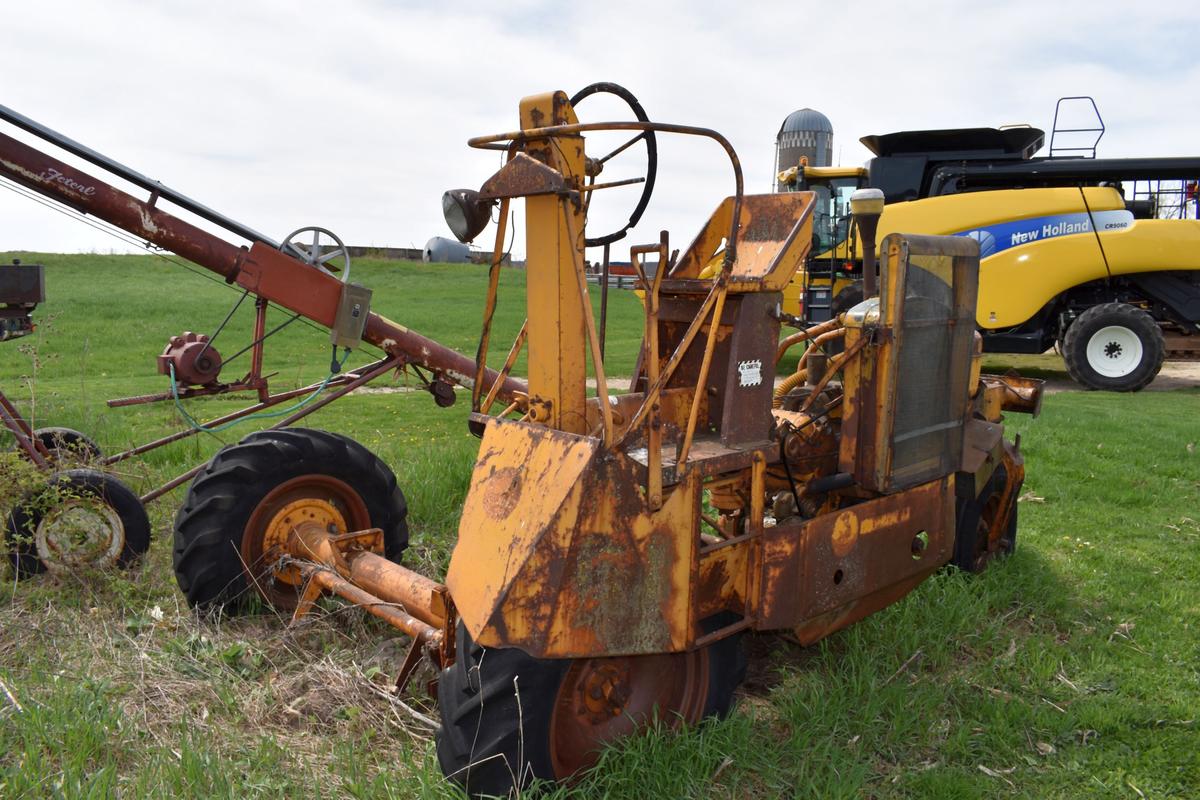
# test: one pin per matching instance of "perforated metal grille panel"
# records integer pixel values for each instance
(933, 343)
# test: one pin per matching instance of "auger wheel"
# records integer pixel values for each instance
(241, 508)
(67, 446)
(509, 719)
(320, 248)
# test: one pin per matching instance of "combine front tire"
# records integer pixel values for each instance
(1115, 347)
(509, 719)
(242, 506)
(86, 519)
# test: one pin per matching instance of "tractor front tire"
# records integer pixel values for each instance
(224, 546)
(85, 519)
(1114, 347)
(509, 719)
(972, 547)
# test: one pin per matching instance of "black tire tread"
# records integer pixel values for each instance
(480, 738)
(967, 524)
(223, 495)
(71, 440)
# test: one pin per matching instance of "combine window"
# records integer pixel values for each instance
(831, 214)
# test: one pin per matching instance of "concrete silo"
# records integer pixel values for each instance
(806, 133)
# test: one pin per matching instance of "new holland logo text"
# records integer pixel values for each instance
(997, 238)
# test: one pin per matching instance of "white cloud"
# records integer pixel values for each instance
(354, 115)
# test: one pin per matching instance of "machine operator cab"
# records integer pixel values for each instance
(831, 266)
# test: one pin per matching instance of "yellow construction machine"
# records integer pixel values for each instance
(615, 546)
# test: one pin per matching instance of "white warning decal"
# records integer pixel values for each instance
(749, 373)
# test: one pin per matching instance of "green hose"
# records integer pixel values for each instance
(335, 368)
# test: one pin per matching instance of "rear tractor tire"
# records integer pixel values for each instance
(240, 508)
(1114, 347)
(86, 519)
(509, 719)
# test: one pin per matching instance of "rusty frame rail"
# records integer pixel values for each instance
(375, 370)
(23, 432)
(263, 270)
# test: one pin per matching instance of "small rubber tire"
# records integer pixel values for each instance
(212, 524)
(24, 520)
(846, 299)
(497, 707)
(72, 443)
(1114, 347)
(970, 543)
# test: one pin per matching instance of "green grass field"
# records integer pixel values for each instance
(1070, 670)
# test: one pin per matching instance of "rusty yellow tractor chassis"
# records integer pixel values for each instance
(613, 548)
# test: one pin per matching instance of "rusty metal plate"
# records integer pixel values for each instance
(523, 177)
(749, 374)
(280, 278)
(980, 440)
(559, 554)
(849, 563)
(775, 238)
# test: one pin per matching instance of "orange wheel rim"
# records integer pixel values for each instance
(601, 700)
(306, 498)
(988, 540)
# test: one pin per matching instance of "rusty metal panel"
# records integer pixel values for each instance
(980, 440)
(722, 577)
(560, 555)
(304, 290)
(749, 373)
(522, 477)
(832, 570)
(523, 177)
(774, 238)
(776, 235)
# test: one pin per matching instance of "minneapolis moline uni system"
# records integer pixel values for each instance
(617, 544)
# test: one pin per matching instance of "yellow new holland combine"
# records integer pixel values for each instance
(1065, 258)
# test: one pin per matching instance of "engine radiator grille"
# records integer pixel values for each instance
(909, 414)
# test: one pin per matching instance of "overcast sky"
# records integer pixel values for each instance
(354, 115)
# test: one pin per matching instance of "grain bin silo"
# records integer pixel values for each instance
(806, 133)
